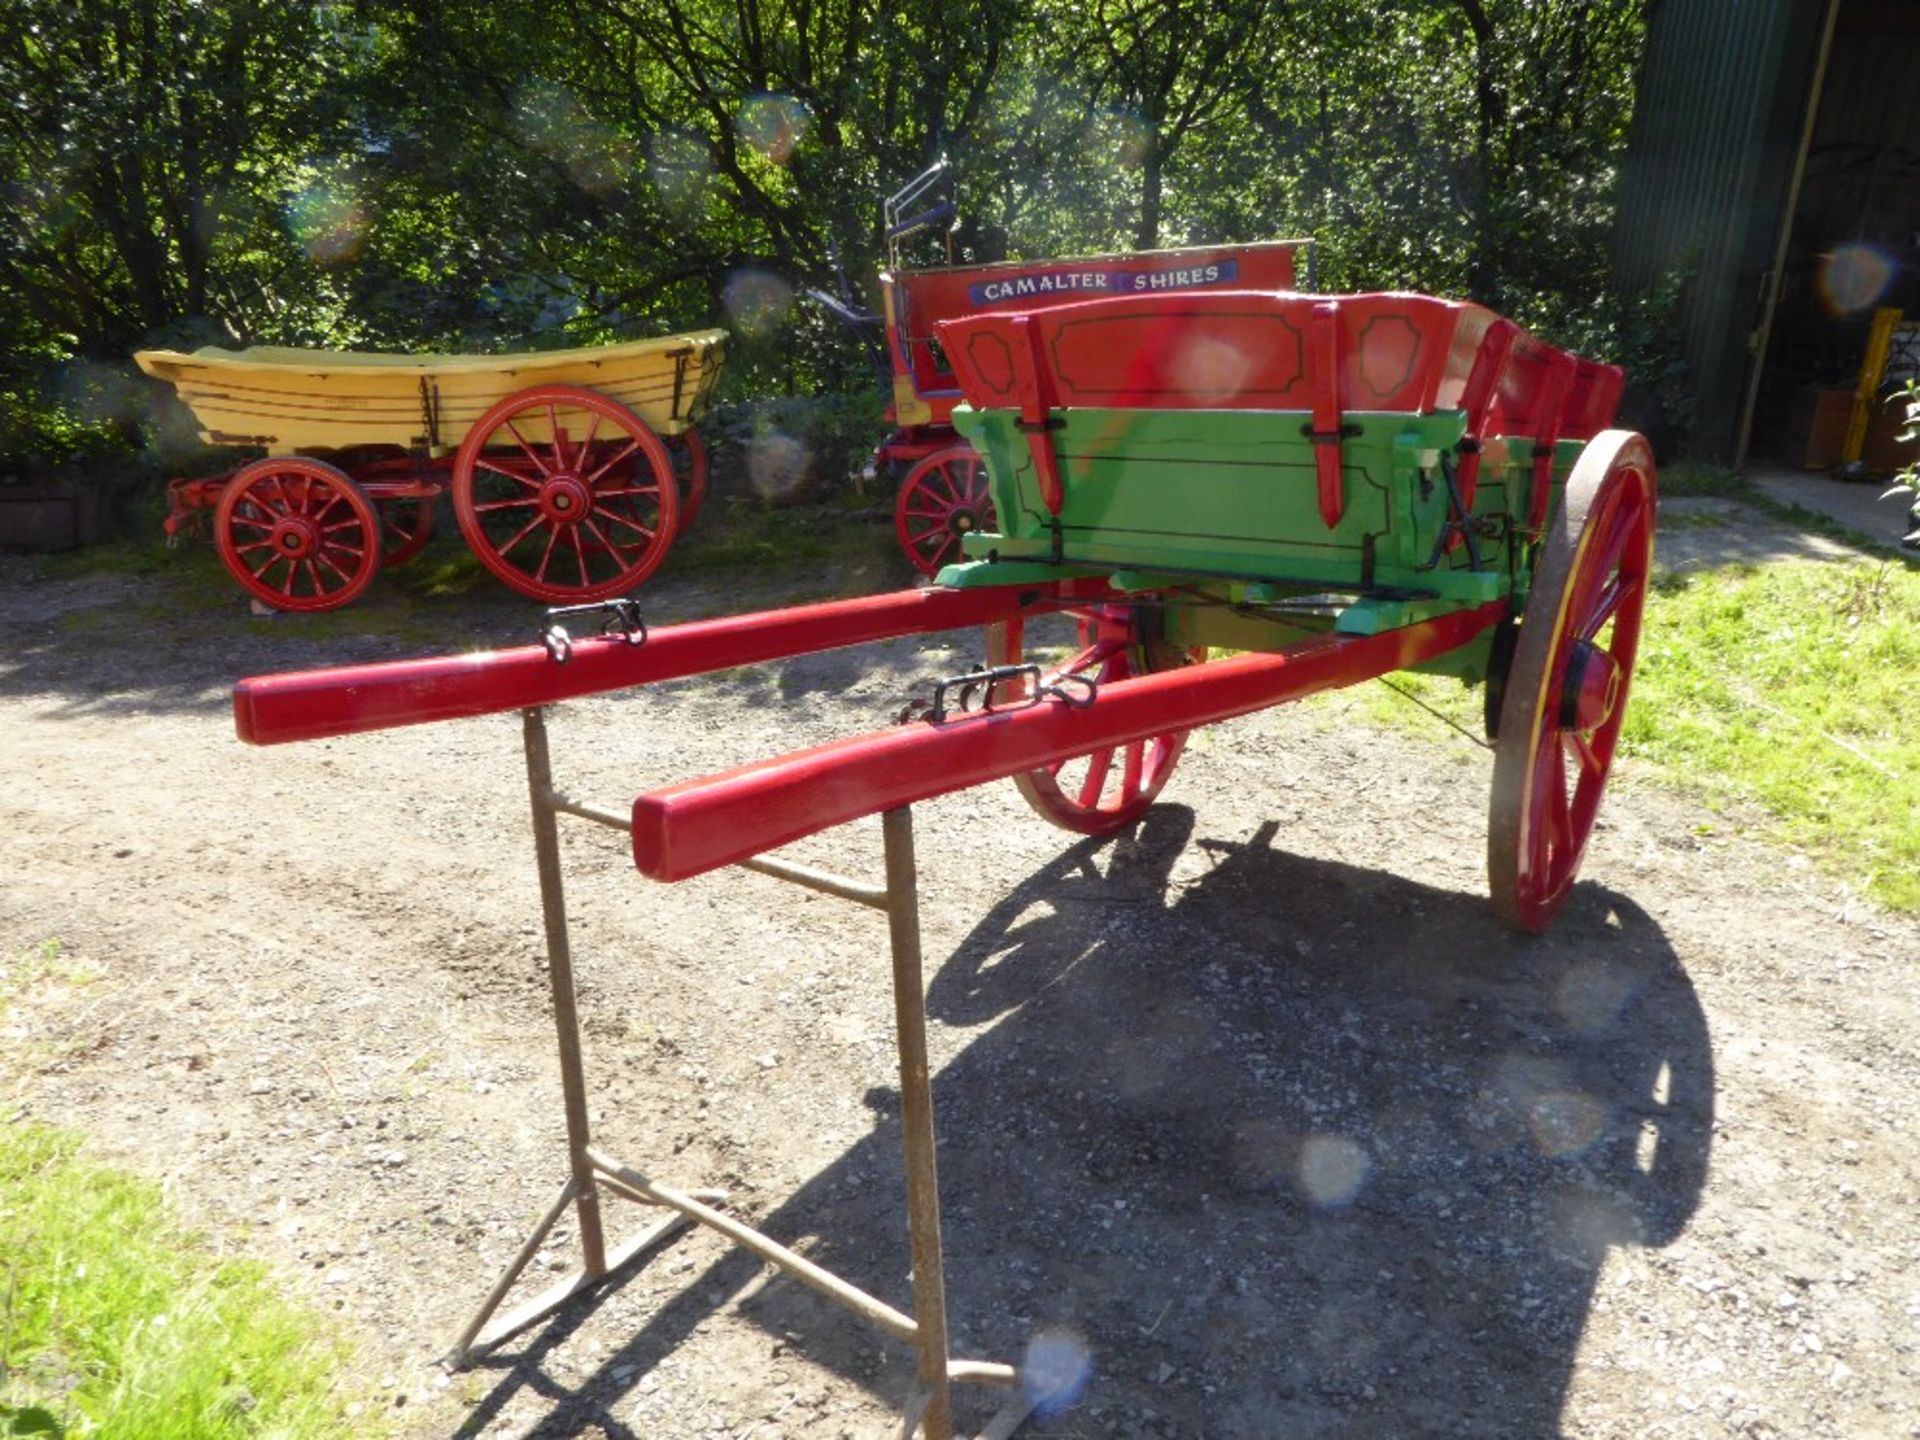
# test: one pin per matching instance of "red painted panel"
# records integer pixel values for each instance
(1236, 350)
(1587, 405)
(920, 299)
(314, 704)
(690, 828)
(1594, 401)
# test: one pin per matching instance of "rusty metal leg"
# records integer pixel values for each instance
(566, 1015)
(462, 1349)
(916, 1126)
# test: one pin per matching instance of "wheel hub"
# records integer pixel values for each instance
(294, 537)
(565, 500)
(1592, 690)
(961, 520)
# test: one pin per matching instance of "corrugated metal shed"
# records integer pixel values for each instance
(1721, 102)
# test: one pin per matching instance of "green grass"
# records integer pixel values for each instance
(114, 1322)
(1796, 685)
(743, 535)
(1790, 689)
(1697, 478)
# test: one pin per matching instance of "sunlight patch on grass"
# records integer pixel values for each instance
(1793, 686)
(116, 1322)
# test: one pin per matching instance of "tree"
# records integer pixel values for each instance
(147, 154)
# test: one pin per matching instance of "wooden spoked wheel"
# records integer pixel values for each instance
(1105, 789)
(297, 533)
(566, 495)
(406, 525)
(1566, 694)
(943, 498)
(689, 455)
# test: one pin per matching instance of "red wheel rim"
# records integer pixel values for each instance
(689, 455)
(406, 525)
(1105, 789)
(1566, 695)
(565, 495)
(297, 533)
(944, 497)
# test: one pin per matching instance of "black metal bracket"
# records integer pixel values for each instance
(1330, 437)
(976, 692)
(430, 410)
(620, 620)
(1038, 427)
(1461, 524)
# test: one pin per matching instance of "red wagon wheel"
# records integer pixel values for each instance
(689, 454)
(1566, 694)
(406, 525)
(565, 495)
(943, 497)
(297, 533)
(1092, 794)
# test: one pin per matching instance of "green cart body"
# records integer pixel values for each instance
(1258, 468)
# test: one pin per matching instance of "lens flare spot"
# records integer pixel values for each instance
(777, 464)
(756, 301)
(1055, 1371)
(1565, 1122)
(329, 223)
(1121, 134)
(1591, 996)
(550, 120)
(1331, 1170)
(1854, 277)
(1583, 1225)
(773, 125)
(679, 167)
(1213, 369)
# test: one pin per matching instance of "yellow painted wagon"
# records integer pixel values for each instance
(571, 471)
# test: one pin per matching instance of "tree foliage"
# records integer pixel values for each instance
(458, 174)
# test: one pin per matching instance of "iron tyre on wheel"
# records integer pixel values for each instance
(1090, 794)
(1566, 693)
(565, 494)
(297, 533)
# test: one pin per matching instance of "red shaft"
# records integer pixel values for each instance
(315, 704)
(699, 825)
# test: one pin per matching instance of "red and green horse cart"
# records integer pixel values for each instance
(571, 471)
(1238, 498)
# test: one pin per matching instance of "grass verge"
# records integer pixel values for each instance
(114, 1322)
(1790, 686)
(1793, 684)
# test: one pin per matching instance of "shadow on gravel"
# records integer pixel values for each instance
(175, 643)
(1297, 1149)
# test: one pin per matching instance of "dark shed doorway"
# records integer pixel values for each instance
(1847, 251)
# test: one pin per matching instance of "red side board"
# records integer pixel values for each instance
(1245, 350)
(919, 300)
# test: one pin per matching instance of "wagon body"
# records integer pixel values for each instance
(925, 387)
(1378, 445)
(943, 492)
(571, 471)
(292, 400)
